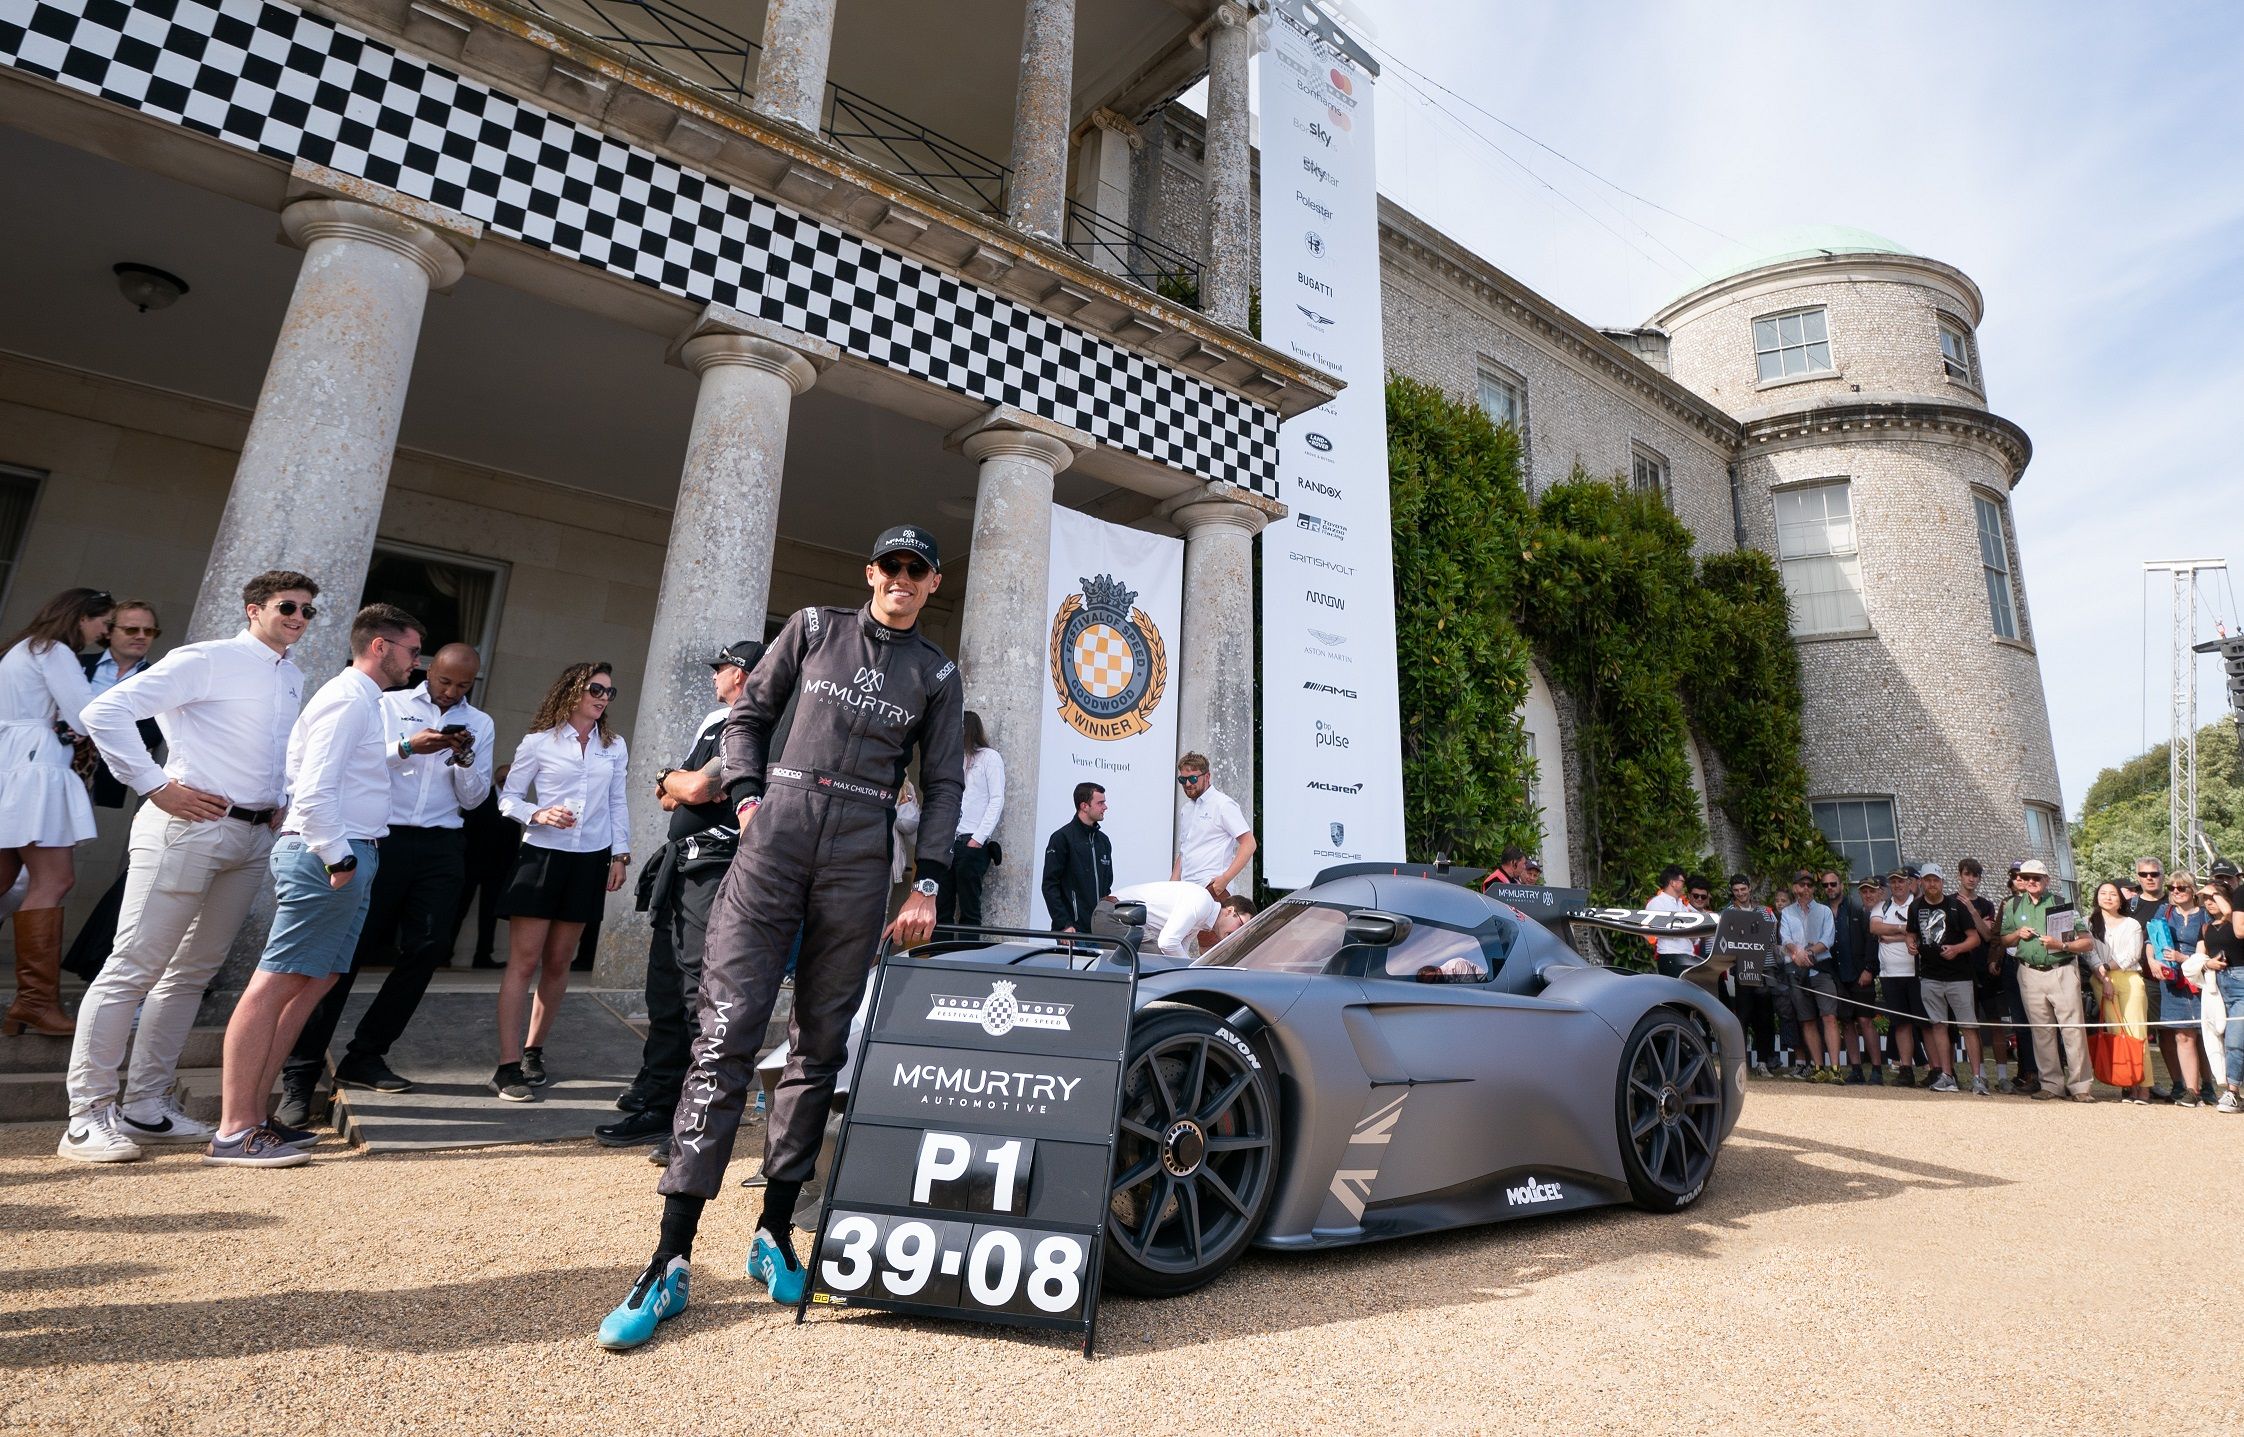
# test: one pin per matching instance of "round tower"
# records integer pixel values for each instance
(1873, 471)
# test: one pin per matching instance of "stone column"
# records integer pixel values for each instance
(716, 573)
(1216, 681)
(1106, 147)
(1043, 107)
(1232, 34)
(791, 75)
(1001, 646)
(307, 494)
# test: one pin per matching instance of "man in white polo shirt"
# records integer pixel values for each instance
(197, 857)
(1214, 841)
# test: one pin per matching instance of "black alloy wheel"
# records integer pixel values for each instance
(1196, 1164)
(1670, 1111)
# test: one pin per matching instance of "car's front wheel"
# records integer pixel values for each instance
(1669, 1107)
(1196, 1163)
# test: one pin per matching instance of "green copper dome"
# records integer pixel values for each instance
(1790, 243)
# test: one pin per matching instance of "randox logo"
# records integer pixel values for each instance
(1109, 664)
(1531, 1192)
(999, 1012)
(1328, 490)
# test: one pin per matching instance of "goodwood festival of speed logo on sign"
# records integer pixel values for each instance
(1109, 664)
(999, 1012)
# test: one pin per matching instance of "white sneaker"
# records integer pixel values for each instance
(97, 1137)
(163, 1121)
(2230, 1103)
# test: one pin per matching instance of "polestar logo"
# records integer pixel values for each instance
(1320, 210)
(1531, 1192)
(999, 1012)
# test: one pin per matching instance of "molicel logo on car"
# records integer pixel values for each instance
(999, 1012)
(1531, 1192)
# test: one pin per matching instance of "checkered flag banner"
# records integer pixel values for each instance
(270, 78)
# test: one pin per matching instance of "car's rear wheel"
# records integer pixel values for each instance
(1197, 1160)
(1669, 1108)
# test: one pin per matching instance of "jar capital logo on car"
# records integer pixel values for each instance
(1110, 666)
(1531, 1192)
(999, 1012)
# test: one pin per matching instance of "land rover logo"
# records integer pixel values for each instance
(999, 1012)
(1109, 664)
(1318, 442)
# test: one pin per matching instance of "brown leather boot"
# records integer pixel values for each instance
(38, 1004)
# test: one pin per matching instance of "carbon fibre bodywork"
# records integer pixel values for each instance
(1413, 1099)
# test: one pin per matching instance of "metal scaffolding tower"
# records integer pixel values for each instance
(2183, 839)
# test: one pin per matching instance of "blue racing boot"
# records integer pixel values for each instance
(658, 1294)
(775, 1267)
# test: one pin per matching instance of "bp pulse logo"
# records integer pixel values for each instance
(1109, 664)
(999, 1012)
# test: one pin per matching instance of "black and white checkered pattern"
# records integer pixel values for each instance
(271, 78)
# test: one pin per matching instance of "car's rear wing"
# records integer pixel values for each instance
(1707, 970)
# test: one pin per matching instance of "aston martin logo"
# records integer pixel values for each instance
(999, 1012)
(1109, 665)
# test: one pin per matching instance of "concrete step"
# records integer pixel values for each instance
(29, 1053)
(32, 1098)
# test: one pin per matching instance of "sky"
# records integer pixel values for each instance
(2083, 163)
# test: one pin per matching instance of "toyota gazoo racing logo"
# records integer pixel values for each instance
(1531, 1192)
(1109, 664)
(1310, 524)
(999, 1012)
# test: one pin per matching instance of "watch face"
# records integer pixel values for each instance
(927, 886)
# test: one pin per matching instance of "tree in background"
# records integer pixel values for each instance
(2123, 818)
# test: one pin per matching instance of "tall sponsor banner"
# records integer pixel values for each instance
(1112, 620)
(1331, 732)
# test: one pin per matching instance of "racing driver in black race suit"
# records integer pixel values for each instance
(815, 825)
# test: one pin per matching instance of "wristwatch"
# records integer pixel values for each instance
(927, 886)
(405, 748)
(348, 863)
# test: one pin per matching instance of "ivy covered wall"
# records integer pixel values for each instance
(1648, 643)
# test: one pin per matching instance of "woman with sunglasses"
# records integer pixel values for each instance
(2221, 967)
(2179, 1008)
(45, 811)
(2116, 1052)
(576, 838)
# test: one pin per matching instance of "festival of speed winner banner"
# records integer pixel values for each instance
(1331, 728)
(1114, 616)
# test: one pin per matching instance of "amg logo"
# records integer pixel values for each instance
(1321, 211)
(1312, 282)
(1313, 686)
(1531, 1192)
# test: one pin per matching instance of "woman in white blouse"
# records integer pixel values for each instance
(44, 810)
(960, 898)
(576, 839)
(2117, 957)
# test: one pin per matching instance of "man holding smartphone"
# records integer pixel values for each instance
(441, 751)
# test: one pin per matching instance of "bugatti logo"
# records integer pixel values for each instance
(1109, 664)
(1528, 1193)
(1000, 1012)
(1339, 834)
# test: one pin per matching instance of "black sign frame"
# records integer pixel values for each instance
(1105, 961)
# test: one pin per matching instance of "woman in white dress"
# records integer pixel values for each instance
(44, 810)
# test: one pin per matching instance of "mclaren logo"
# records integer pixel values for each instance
(1000, 1012)
(1109, 664)
(1531, 1192)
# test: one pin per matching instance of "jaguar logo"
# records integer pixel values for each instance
(1109, 664)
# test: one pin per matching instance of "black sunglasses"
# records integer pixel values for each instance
(288, 608)
(600, 691)
(894, 564)
(1186, 780)
(2151, 873)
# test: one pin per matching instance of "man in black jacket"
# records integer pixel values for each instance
(1078, 863)
(133, 631)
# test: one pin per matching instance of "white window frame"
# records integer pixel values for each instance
(1845, 560)
(2048, 840)
(1995, 565)
(1961, 362)
(1487, 375)
(1644, 460)
(498, 569)
(1773, 341)
(34, 480)
(1881, 862)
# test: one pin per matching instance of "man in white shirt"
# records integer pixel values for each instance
(1184, 919)
(1214, 841)
(197, 854)
(442, 768)
(1671, 955)
(1897, 971)
(340, 760)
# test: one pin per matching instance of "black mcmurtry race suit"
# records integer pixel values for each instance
(815, 857)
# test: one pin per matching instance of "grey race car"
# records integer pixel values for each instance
(1380, 1055)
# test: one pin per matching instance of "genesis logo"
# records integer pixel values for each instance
(1313, 241)
(1317, 442)
(1346, 570)
(1320, 320)
(1316, 207)
(1314, 687)
(1000, 1012)
(1314, 525)
(1531, 1192)
(1336, 788)
(1330, 737)
(1314, 487)
(1329, 601)
(1328, 638)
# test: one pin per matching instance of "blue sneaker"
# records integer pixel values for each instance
(654, 1297)
(775, 1267)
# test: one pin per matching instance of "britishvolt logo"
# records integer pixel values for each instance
(1320, 320)
(999, 1012)
(1318, 442)
(1347, 570)
(1531, 1192)
(1322, 787)
(1316, 687)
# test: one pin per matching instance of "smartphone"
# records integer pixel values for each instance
(452, 728)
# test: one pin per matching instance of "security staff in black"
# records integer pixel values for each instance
(815, 824)
(677, 885)
(1078, 863)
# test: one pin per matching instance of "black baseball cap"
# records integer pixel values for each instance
(2223, 868)
(907, 539)
(740, 653)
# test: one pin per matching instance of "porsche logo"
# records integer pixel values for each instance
(1109, 664)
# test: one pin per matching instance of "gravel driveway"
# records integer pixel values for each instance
(1865, 1260)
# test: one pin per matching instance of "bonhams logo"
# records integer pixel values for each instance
(1109, 664)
